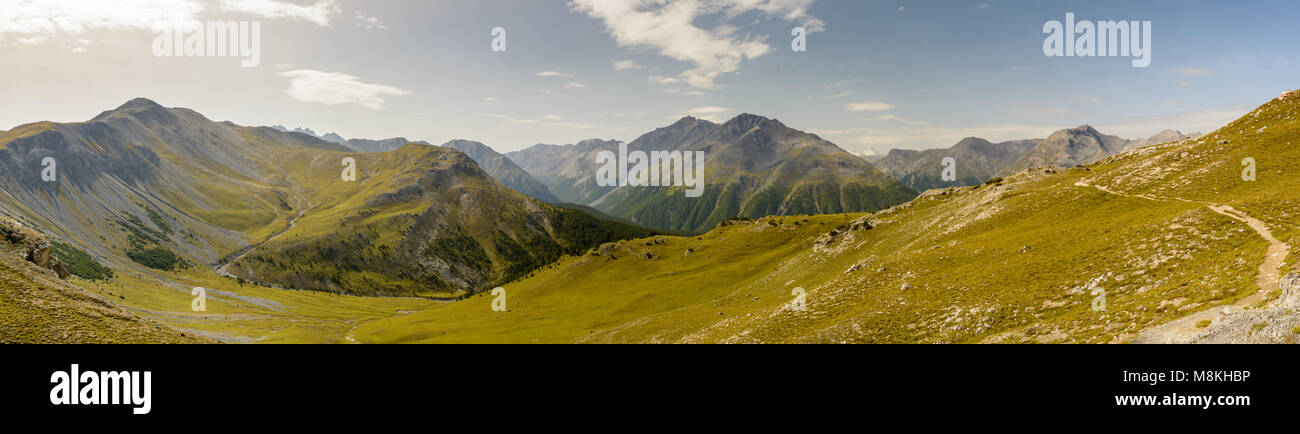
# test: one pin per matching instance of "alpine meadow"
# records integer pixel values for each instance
(646, 171)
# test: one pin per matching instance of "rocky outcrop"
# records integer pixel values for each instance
(1272, 325)
(1291, 291)
(32, 245)
(39, 254)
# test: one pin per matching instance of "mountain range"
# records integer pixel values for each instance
(754, 167)
(503, 169)
(1161, 244)
(977, 160)
(151, 202)
(167, 189)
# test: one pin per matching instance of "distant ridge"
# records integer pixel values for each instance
(979, 160)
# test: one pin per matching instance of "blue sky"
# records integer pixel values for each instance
(876, 75)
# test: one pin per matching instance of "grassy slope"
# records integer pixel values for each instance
(247, 313)
(37, 307)
(1014, 262)
(350, 241)
(664, 295)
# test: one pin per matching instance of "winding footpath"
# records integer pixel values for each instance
(223, 268)
(1184, 330)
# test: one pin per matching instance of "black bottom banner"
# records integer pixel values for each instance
(232, 385)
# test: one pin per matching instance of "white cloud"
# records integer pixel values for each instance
(333, 88)
(552, 117)
(553, 74)
(320, 12)
(573, 85)
(624, 65)
(369, 22)
(1088, 99)
(670, 28)
(868, 106)
(36, 20)
(72, 17)
(661, 80)
(835, 96)
(885, 118)
(1193, 71)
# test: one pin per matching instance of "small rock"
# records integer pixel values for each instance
(907, 286)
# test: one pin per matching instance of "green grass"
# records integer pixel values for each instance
(81, 264)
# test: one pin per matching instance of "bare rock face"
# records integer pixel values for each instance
(1290, 94)
(39, 254)
(1291, 291)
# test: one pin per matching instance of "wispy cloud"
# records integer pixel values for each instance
(885, 118)
(840, 84)
(835, 96)
(320, 12)
(868, 106)
(369, 22)
(334, 88)
(626, 65)
(671, 29)
(554, 74)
